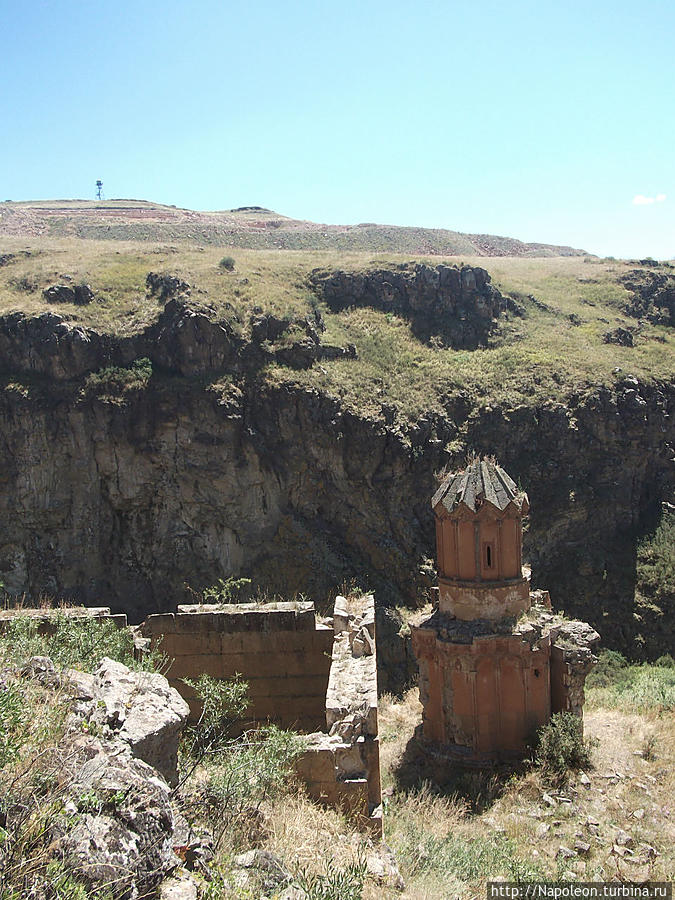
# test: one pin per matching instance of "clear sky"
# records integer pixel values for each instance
(547, 121)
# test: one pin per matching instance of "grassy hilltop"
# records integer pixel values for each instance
(252, 227)
(556, 346)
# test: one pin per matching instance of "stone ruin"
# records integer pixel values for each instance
(303, 673)
(494, 661)
(312, 676)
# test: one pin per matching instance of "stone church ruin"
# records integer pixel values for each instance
(494, 661)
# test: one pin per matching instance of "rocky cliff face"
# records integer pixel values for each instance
(125, 495)
(456, 306)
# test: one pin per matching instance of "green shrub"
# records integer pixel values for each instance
(255, 768)
(608, 670)
(72, 643)
(655, 568)
(561, 747)
(665, 662)
(227, 263)
(223, 702)
(117, 381)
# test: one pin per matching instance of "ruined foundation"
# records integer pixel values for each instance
(279, 649)
(303, 674)
(341, 768)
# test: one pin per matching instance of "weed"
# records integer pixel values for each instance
(561, 747)
(227, 263)
(225, 590)
(334, 883)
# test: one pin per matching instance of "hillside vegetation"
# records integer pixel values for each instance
(556, 347)
(248, 227)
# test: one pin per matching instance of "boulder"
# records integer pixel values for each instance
(165, 286)
(117, 830)
(621, 336)
(143, 711)
(80, 294)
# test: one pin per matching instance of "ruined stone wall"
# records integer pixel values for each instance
(572, 659)
(279, 649)
(342, 768)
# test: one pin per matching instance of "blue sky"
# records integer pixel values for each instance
(538, 120)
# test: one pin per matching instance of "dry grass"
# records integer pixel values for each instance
(557, 349)
(443, 848)
(309, 836)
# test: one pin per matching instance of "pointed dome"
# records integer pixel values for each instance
(482, 481)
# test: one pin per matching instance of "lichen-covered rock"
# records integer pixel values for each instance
(117, 829)
(143, 711)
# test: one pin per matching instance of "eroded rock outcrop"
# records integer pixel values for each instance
(187, 339)
(139, 709)
(117, 827)
(459, 306)
(652, 295)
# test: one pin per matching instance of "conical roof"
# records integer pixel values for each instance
(482, 481)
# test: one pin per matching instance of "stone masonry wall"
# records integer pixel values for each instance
(279, 649)
(342, 768)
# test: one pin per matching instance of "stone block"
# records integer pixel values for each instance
(192, 644)
(316, 765)
(299, 686)
(159, 623)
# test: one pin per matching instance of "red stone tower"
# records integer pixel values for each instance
(479, 538)
(488, 664)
